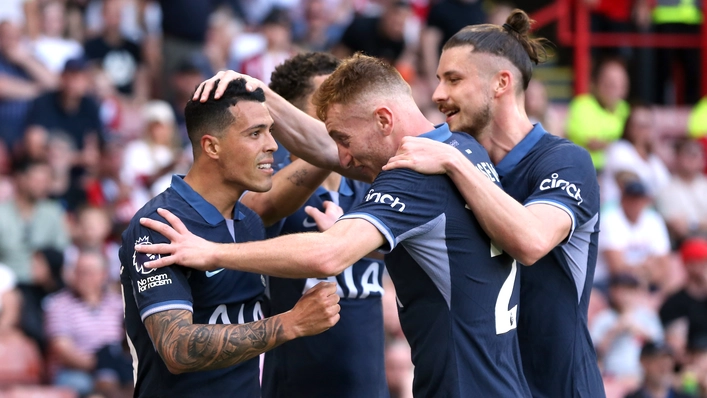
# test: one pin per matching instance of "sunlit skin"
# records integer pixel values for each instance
(463, 93)
(244, 151)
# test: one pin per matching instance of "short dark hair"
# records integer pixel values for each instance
(213, 117)
(510, 41)
(23, 164)
(293, 78)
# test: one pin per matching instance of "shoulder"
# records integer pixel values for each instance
(555, 150)
(50, 207)
(581, 101)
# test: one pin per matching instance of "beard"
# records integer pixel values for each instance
(478, 123)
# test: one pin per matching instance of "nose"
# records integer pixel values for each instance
(271, 144)
(345, 157)
(440, 94)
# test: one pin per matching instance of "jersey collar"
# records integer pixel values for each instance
(344, 188)
(441, 133)
(205, 209)
(509, 162)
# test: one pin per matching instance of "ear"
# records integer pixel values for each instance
(210, 146)
(384, 119)
(503, 82)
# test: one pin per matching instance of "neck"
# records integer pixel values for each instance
(25, 205)
(686, 176)
(657, 389)
(696, 288)
(112, 36)
(413, 123)
(205, 179)
(510, 124)
(332, 182)
(70, 103)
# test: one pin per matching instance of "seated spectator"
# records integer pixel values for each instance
(9, 301)
(633, 239)
(156, 153)
(51, 47)
(318, 29)
(277, 31)
(683, 201)
(398, 369)
(597, 119)
(70, 110)
(119, 57)
(634, 152)
(379, 36)
(618, 332)
(690, 302)
(22, 79)
(658, 373)
(71, 319)
(538, 110)
(47, 267)
(30, 221)
(90, 230)
(693, 374)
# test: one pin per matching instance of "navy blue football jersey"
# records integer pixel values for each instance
(220, 296)
(458, 295)
(348, 359)
(557, 351)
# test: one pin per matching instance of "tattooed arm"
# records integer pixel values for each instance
(291, 187)
(188, 347)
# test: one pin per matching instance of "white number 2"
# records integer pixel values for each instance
(506, 319)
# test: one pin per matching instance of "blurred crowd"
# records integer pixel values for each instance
(91, 127)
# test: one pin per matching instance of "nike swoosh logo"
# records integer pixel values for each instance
(308, 224)
(209, 274)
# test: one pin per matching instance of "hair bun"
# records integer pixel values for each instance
(518, 22)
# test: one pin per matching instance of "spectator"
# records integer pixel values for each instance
(70, 110)
(618, 332)
(538, 109)
(51, 47)
(658, 363)
(379, 36)
(633, 239)
(185, 79)
(444, 19)
(22, 79)
(277, 31)
(634, 152)
(147, 159)
(47, 267)
(595, 120)
(71, 318)
(697, 124)
(317, 30)
(398, 369)
(30, 221)
(693, 380)
(690, 302)
(672, 17)
(683, 201)
(119, 57)
(91, 229)
(9, 301)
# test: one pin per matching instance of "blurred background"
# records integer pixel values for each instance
(91, 127)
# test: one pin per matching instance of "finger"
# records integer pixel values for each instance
(199, 90)
(159, 248)
(160, 227)
(226, 78)
(398, 162)
(161, 262)
(173, 220)
(209, 86)
(313, 212)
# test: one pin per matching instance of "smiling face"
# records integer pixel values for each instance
(463, 93)
(245, 148)
(359, 139)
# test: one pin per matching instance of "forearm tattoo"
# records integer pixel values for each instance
(298, 177)
(191, 347)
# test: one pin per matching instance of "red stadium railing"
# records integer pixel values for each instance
(571, 14)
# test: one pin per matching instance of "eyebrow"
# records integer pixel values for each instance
(449, 72)
(256, 127)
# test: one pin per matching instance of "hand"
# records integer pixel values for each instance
(325, 220)
(18, 54)
(422, 155)
(317, 310)
(224, 77)
(185, 248)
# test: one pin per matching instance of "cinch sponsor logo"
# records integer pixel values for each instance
(556, 182)
(384, 198)
(152, 281)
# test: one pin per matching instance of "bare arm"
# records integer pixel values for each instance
(65, 352)
(304, 255)
(14, 88)
(526, 233)
(188, 347)
(303, 135)
(291, 187)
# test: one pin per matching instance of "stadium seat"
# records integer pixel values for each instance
(20, 360)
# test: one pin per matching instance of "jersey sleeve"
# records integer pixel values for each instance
(565, 178)
(155, 290)
(402, 204)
